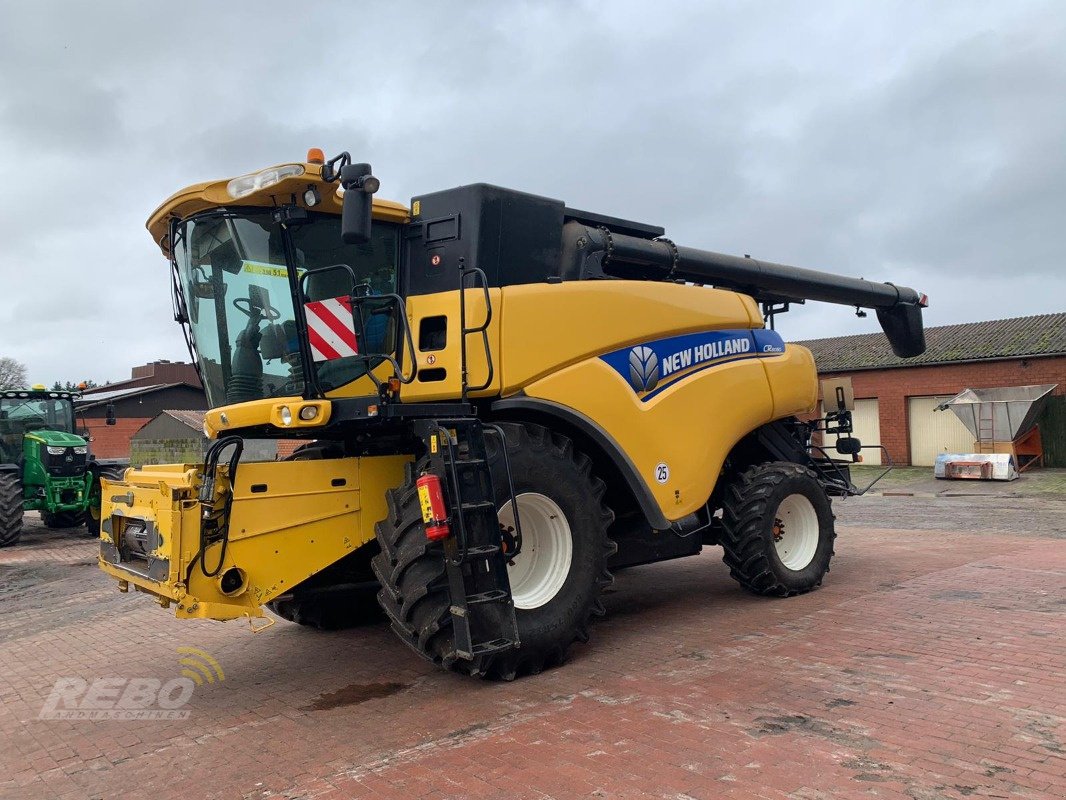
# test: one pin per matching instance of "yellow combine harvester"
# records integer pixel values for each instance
(504, 399)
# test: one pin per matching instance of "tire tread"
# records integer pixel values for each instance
(744, 512)
(10, 509)
(412, 572)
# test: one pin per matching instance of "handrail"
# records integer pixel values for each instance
(357, 300)
(483, 329)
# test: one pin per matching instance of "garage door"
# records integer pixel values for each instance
(866, 427)
(934, 432)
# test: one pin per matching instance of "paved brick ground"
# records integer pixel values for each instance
(932, 664)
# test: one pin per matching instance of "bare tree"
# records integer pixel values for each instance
(12, 373)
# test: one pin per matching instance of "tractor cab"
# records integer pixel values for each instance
(38, 426)
(238, 272)
(276, 302)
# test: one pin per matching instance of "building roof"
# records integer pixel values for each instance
(103, 398)
(998, 339)
(153, 374)
(194, 419)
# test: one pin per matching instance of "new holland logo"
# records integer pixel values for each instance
(643, 369)
(650, 368)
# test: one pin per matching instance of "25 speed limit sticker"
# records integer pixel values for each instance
(662, 472)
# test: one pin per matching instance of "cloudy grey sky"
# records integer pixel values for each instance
(922, 143)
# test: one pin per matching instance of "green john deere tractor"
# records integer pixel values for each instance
(45, 466)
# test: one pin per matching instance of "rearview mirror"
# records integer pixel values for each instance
(359, 187)
(110, 418)
(226, 258)
(848, 445)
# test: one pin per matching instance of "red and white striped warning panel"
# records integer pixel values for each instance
(331, 329)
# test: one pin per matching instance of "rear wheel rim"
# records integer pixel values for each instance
(538, 572)
(796, 532)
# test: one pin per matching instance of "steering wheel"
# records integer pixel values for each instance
(269, 313)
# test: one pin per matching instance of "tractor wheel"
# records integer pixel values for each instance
(92, 512)
(63, 519)
(777, 530)
(556, 581)
(10, 508)
(332, 611)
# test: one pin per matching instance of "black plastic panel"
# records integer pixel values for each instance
(513, 236)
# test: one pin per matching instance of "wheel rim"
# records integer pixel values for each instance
(795, 532)
(539, 571)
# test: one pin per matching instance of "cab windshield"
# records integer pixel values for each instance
(21, 415)
(238, 272)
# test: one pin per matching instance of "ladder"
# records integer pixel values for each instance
(478, 550)
(986, 428)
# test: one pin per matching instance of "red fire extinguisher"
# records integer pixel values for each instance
(434, 513)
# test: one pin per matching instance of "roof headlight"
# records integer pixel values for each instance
(254, 181)
(308, 413)
(286, 415)
(311, 197)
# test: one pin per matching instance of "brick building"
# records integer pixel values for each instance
(151, 389)
(896, 398)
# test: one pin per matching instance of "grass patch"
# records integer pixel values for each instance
(862, 474)
(1050, 483)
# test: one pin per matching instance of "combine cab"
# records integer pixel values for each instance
(505, 399)
(44, 465)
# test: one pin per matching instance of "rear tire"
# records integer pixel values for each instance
(92, 511)
(563, 581)
(10, 509)
(777, 530)
(63, 519)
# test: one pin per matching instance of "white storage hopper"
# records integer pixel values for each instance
(1000, 415)
(1003, 424)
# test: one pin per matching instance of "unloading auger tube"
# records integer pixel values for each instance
(899, 308)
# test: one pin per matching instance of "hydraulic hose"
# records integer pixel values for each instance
(214, 526)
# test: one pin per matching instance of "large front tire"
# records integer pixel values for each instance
(558, 577)
(10, 509)
(93, 508)
(777, 530)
